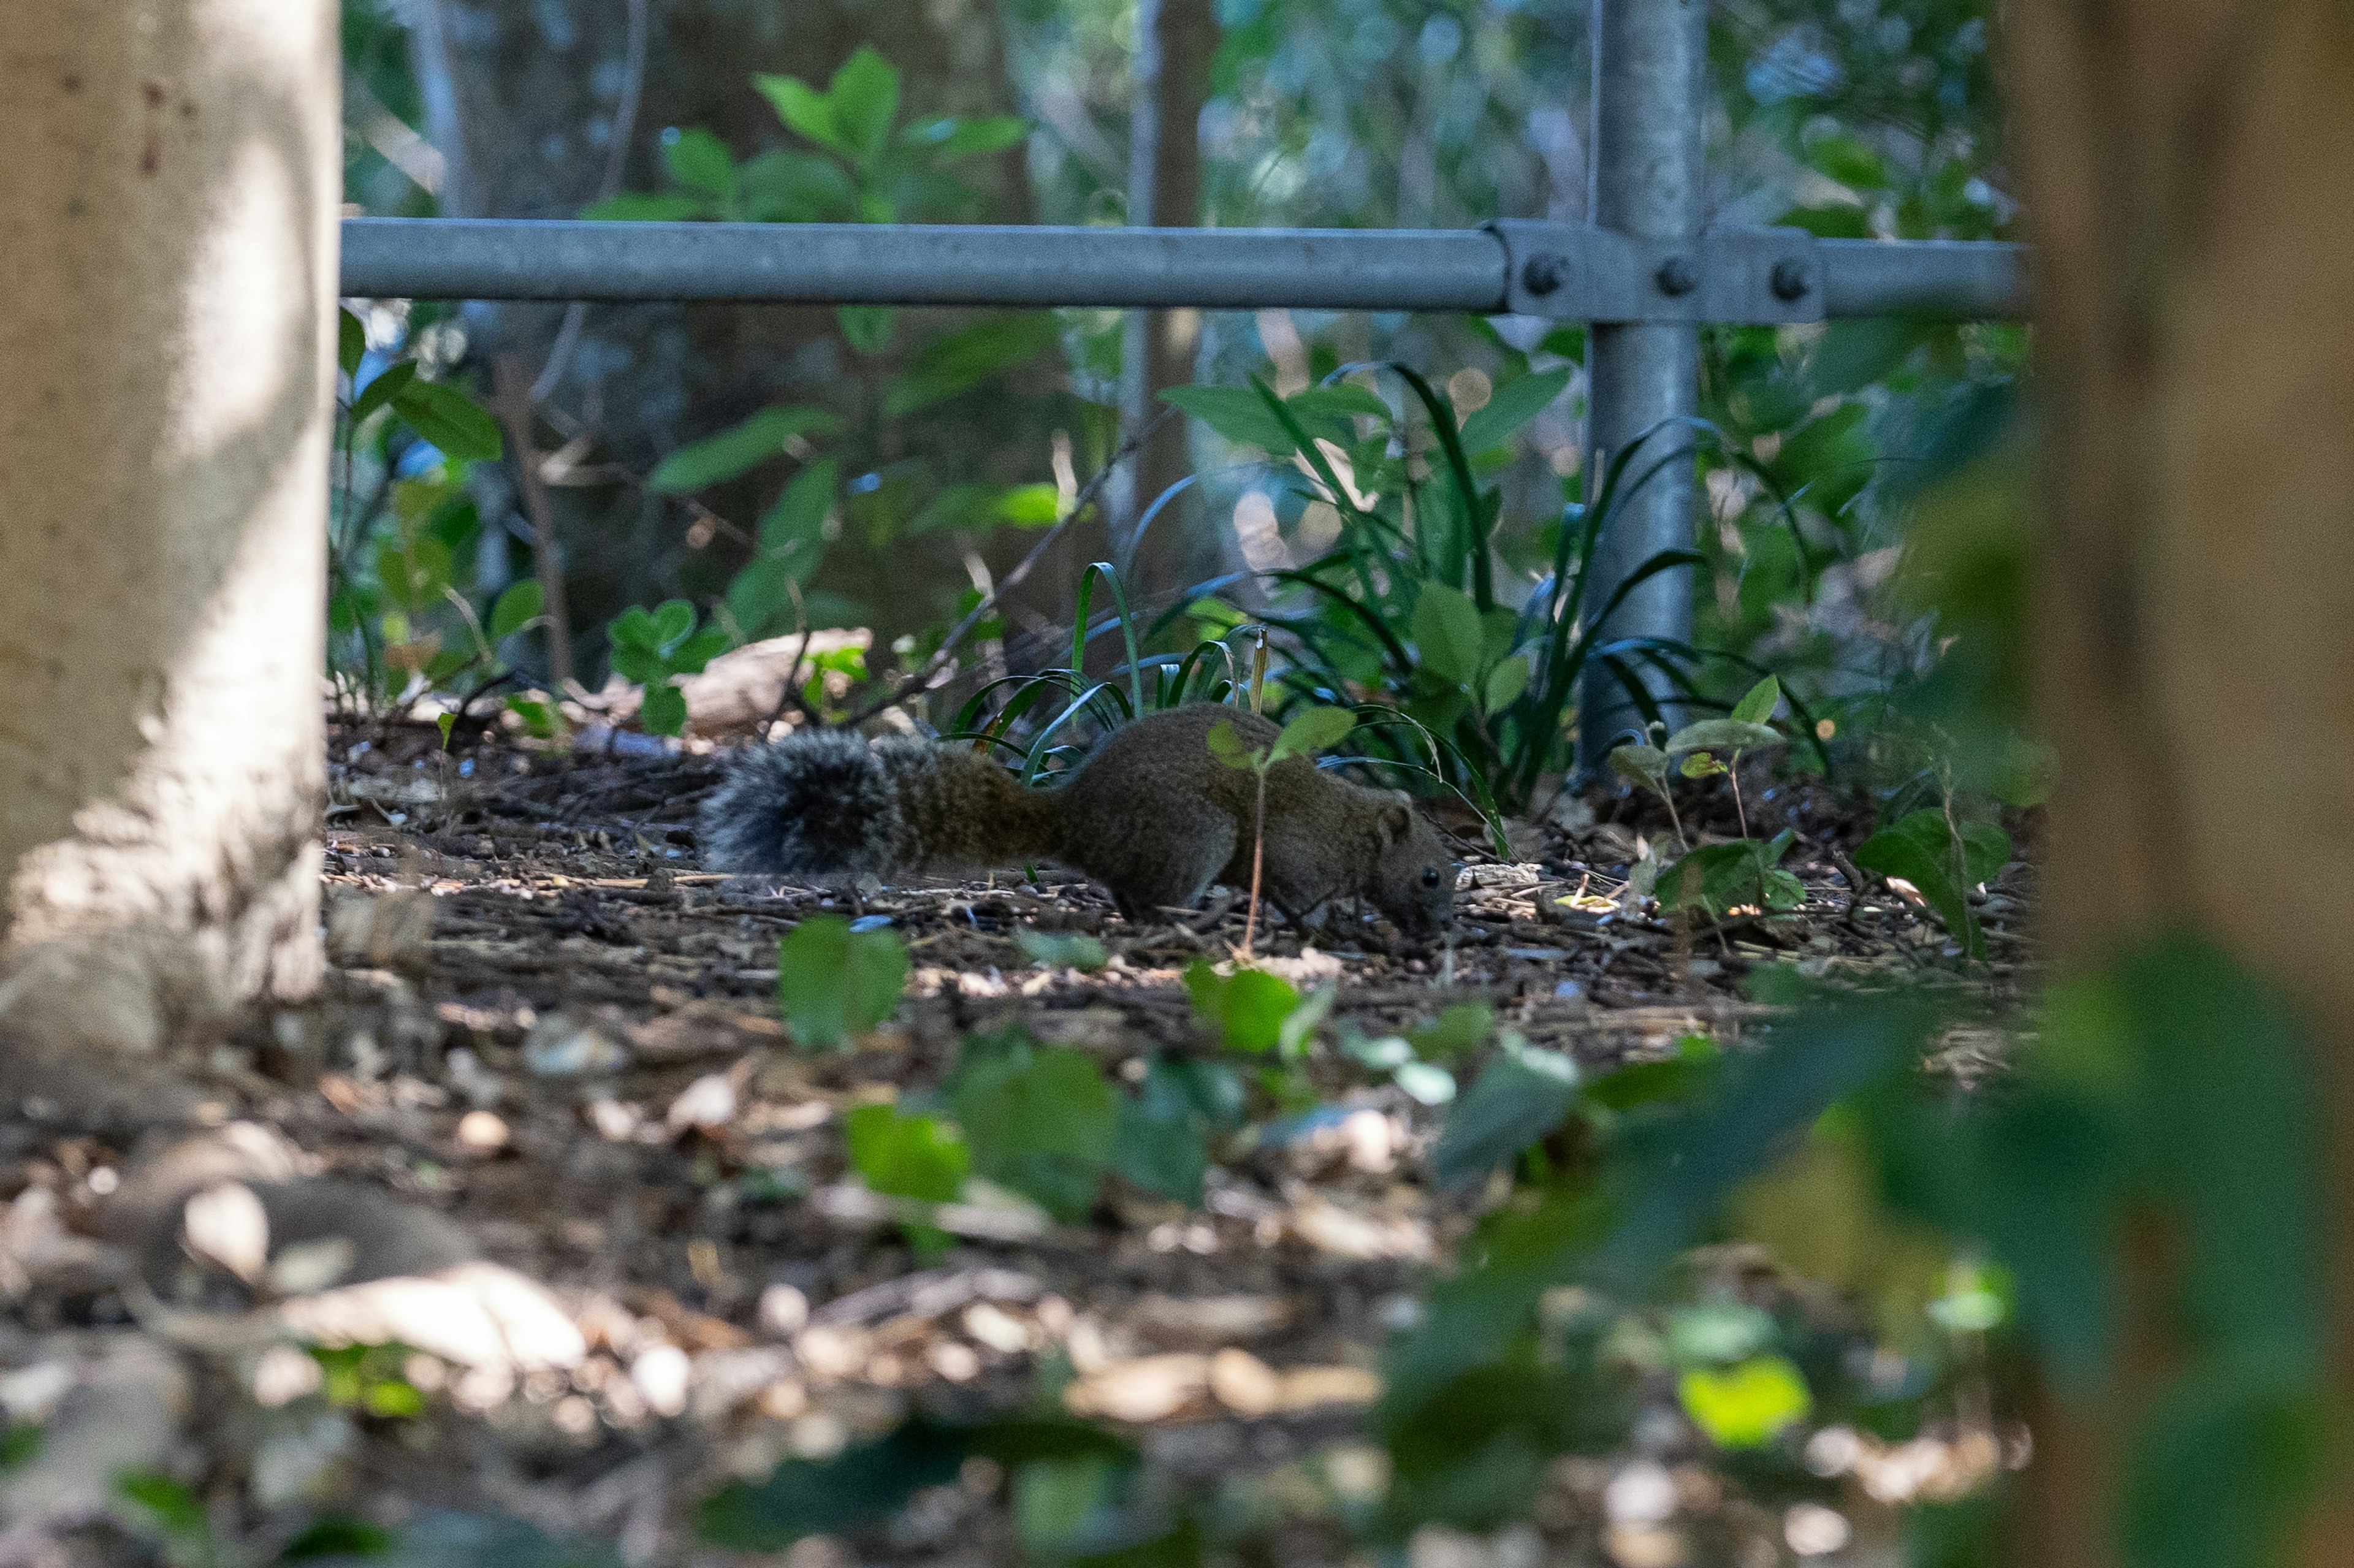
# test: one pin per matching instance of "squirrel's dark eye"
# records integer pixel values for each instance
(1430, 876)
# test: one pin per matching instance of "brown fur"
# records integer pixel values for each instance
(1151, 814)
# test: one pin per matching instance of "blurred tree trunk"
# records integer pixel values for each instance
(1175, 42)
(168, 329)
(2189, 179)
(521, 99)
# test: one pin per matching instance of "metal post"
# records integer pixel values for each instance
(1650, 113)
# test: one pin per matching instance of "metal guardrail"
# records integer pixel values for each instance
(1598, 275)
(1645, 275)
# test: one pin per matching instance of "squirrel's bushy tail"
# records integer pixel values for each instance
(828, 804)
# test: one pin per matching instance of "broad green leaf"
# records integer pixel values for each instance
(1746, 1406)
(1848, 161)
(740, 448)
(1459, 1031)
(634, 628)
(798, 514)
(1028, 505)
(1248, 1008)
(1514, 404)
(1238, 413)
(351, 342)
(698, 651)
(1644, 765)
(1227, 745)
(414, 575)
(947, 138)
(1923, 850)
(669, 206)
(540, 719)
(1723, 734)
(1757, 708)
(1061, 949)
(907, 1156)
(1317, 729)
(866, 100)
(867, 328)
(779, 186)
(834, 982)
(1041, 1119)
(1506, 682)
(388, 383)
(804, 109)
(1161, 1142)
(516, 608)
(859, 1487)
(663, 712)
(963, 360)
(672, 619)
(701, 161)
(461, 428)
(1445, 627)
(1701, 765)
(1520, 1097)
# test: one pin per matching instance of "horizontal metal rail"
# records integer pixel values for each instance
(1466, 270)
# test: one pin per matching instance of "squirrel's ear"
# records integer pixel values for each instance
(1397, 817)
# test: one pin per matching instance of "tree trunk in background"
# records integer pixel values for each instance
(2190, 179)
(520, 97)
(1175, 42)
(166, 387)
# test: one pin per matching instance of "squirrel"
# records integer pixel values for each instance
(1150, 813)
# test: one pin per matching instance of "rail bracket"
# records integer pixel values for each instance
(1745, 276)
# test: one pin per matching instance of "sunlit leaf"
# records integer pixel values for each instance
(1746, 1406)
(906, 1156)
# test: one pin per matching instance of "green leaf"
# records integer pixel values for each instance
(1514, 404)
(1317, 729)
(1161, 1142)
(1248, 1008)
(798, 514)
(1061, 949)
(1506, 682)
(174, 1505)
(1238, 413)
(963, 360)
(1701, 765)
(946, 139)
(1225, 743)
(779, 186)
(1723, 878)
(1460, 1030)
(834, 982)
(1848, 161)
(1746, 1406)
(804, 109)
(413, 576)
(859, 1487)
(672, 619)
(698, 651)
(389, 384)
(516, 608)
(351, 342)
(866, 100)
(634, 628)
(339, 1538)
(1723, 734)
(663, 712)
(867, 328)
(460, 428)
(669, 206)
(701, 161)
(1520, 1097)
(906, 1156)
(738, 449)
(1028, 505)
(1644, 765)
(1757, 708)
(1446, 627)
(539, 718)
(1042, 1120)
(1923, 850)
